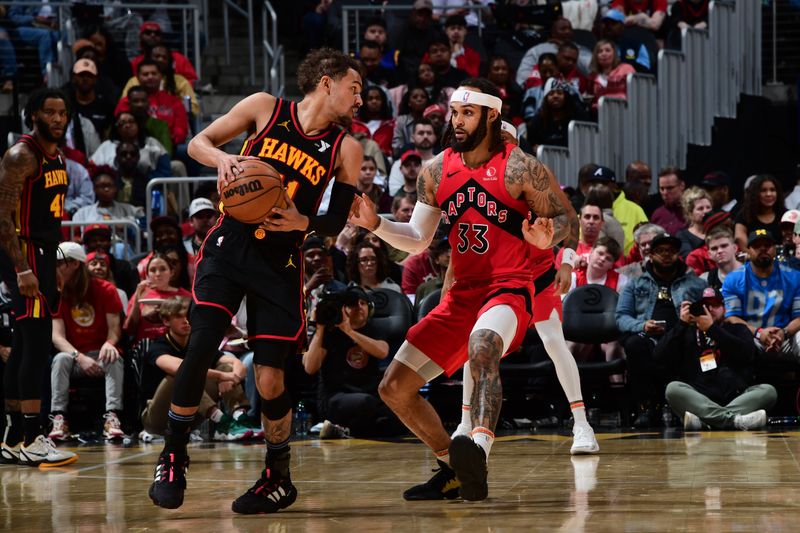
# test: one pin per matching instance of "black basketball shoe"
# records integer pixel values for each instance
(442, 486)
(169, 482)
(270, 494)
(469, 462)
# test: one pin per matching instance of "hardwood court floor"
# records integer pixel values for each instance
(703, 482)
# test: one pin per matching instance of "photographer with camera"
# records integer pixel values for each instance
(345, 351)
(713, 363)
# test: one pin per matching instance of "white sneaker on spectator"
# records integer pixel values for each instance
(60, 429)
(333, 431)
(112, 429)
(692, 422)
(144, 436)
(42, 452)
(754, 420)
(583, 440)
(9, 455)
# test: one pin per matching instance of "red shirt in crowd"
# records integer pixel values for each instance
(417, 270)
(166, 107)
(574, 78)
(632, 7)
(146, 329)
(699, 260)
(85, 325)
(612, 279)
(615, 85)
(383, 134)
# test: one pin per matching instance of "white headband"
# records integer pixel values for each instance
(464, 96)
(508, 127)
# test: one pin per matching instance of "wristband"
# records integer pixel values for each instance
(29, 271)
(569, 256)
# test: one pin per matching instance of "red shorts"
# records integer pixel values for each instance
(443, 335)
(544, 302)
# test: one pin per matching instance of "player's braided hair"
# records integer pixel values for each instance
(324, 62)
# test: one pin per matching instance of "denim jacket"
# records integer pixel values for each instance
(638, 298)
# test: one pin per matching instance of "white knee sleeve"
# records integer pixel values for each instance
(413, 358)
(566, 369)
(502, 320)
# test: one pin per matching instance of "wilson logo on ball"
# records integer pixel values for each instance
(241, 190)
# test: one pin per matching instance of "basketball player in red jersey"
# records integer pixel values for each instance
(548, 324)
(33, 184)
(305, 143)
(485, 190)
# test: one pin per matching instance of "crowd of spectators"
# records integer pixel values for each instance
(661, 252)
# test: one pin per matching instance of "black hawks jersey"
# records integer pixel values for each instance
(41, 205)
(305, 162)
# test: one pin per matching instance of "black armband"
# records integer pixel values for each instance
(332, 222)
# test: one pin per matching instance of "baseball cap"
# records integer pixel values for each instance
(96, 228)
(81, 44)
(313, 242)
(100, 255)
(665, 238)
(410, 153)
(70, 250)
(84, 65)
(613, 14)
(603, 174)
(433, 108)
(149, 25)
(790, 217)
(760, 234)
(424, 4)
(710, 294)
(200, 204)
(160, 221)
(714, 218)
(717, 178)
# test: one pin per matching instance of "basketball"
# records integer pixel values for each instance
(255, 191)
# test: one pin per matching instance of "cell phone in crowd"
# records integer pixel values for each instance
(661, 323)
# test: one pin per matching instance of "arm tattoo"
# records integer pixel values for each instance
(18, 163)
(544, 196)
(428, 181)
(485, 349)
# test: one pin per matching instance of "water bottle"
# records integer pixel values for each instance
(301, 420)
(157, 203)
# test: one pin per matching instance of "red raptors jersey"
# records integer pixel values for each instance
(486, 222)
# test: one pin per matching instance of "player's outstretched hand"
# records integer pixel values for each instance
(540, 233)
(286, 219)
(229, 166)
(563, 279)
(365, 214)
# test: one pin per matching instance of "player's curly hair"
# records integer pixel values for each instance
(37, 100)
(324, 62)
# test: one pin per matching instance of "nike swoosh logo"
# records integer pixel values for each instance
(452, 173)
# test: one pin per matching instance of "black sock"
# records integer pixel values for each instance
(31, 427)
(178, 428)
(13, 434)
(278, 456)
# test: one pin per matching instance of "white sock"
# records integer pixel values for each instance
(443, 456)
(578, 412)
(216, 415)
(465, 426)
(483, 438)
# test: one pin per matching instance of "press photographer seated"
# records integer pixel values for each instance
(345, 351)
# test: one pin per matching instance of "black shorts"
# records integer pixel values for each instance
(42, 260)
(232, 264)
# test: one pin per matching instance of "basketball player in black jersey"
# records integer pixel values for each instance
(305, 143)
(33, 184)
